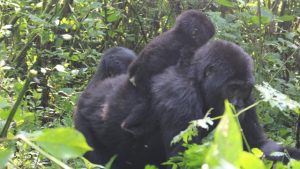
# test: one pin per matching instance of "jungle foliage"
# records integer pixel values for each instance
(49, 49)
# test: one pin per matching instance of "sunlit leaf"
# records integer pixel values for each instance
(294, 164)
(5, 155)
(204, 123)
(60, 68)
(150, 167)
(192, 130)
(276, 98)
(264, 20)
(226, 3)
(227, 140)
(277, 154)
(63, 143)
(4, 103)
(6, 27)
(257, 152)
(250, 161)
(66, 36)
(43, 70)
(285, 18)
(110, 162)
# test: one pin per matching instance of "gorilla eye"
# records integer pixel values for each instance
(209, 71)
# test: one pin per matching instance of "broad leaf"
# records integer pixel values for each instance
(227, 148)
(226, 3)
(250, 161)
(63, 143)
(5, 155)
(277, 99)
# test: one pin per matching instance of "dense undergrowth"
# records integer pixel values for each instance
(49, 49)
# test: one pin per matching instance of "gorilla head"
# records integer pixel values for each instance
(114, 61)
(196, 26)
(224, 71)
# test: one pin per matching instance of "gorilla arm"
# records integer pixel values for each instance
(175, 109)
(256, 137)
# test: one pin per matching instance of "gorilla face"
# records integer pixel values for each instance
(225, 73)
(237, 92)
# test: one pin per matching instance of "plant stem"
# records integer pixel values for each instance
(15, 107)
(58, 162)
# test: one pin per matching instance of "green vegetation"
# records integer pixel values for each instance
(49, 49)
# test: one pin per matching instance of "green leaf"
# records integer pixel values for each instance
(63, 143)
(192, 130)
(227, 140)
(225, 3)
(285, 18)
(110, 162)
(5, 155)
(250, 161)
(264, 20)
(113, 17)
(257, 152)
(195, 155)
(37, 19)
(294, 164)
(90, 165)
(277, 99)
(150, 167)
(4, 103)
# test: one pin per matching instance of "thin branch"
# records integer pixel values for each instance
(58, 162)
(140, 23)
(15, 107)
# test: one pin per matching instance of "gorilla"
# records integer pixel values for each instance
(192, 29)
(218, 70)
(176, 46)
(115, 61)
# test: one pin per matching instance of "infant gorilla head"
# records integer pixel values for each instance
(219, 70)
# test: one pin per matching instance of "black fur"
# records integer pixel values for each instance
(192, 30)
(115, 61)
(217, 71)
(176, 46)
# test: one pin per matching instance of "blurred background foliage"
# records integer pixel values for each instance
(63, 40)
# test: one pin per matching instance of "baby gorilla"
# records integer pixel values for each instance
(176, 46)
(115, 61)
(192, 30)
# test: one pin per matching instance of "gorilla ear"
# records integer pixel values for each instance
(209, 71)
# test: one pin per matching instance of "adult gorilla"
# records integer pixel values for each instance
(114, 62)
(219, 70)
